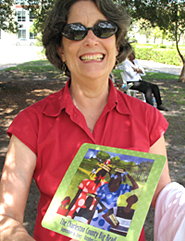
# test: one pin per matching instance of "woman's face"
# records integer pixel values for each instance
(90, 57)
(132, 56)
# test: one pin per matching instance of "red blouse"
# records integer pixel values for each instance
(54, 129)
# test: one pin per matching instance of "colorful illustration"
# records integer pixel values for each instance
(106, 192)
(95, 202)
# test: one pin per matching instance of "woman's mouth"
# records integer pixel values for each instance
(92, 57)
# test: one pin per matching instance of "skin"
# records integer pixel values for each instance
(16, 178)
(89, 91)
(159, 147)
(89, 80)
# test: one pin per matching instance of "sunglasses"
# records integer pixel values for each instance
(77, 31)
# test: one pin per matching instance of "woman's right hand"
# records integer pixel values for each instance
(11, 229)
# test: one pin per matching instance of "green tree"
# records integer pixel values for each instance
(157, 33)
(102, 156)
(176, 14)
(39, 8)
(145, 28)
(115, 161)
(7, 16)
(168, 15)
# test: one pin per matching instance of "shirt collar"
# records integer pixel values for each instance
(117, 100)
(56, 102)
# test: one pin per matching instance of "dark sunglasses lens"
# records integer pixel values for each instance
(77, 31)
(105, 29)
(74, 31)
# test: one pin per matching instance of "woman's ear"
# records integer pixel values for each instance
(61, 54)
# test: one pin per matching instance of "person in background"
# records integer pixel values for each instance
(84, 38)
(133, 72)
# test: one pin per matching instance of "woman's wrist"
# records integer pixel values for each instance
(12, 229)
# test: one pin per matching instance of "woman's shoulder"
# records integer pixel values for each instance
(138, 108)
(144, 117)
(39, 106)
(126, 62)
(133, 103)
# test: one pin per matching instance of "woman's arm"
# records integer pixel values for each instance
(128, 69)
(134, 183)
(15, 184)
(160, 148)
(139, 69)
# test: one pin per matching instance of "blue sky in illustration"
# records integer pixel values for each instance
(127, 158)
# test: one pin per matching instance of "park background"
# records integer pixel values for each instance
(28, 82)
(158, 22)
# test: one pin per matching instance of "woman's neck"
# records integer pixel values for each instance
(132, 61)
(87, 92)
(90, 99)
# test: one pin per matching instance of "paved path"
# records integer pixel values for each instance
(158, 67)
(13, 55)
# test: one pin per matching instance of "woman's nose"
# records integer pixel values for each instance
(91, 39)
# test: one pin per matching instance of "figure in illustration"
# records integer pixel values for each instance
(63, 206)
(108, 162)
(93, 172)
(85, 213)
(107, 196)
(88, 187)
(106, 166)
(124, 216)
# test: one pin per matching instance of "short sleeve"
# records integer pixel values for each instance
(25, 128)
(157, 124)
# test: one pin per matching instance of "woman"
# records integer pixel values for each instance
(85, 38)
(108, 195)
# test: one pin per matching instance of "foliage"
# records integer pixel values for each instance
(162, 13)
(39, 8)
(7, 16)
(102, 156)
(168, 15)
(115, 160)
(161, 55)
(145, 28)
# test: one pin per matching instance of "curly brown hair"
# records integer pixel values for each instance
(52, 32)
